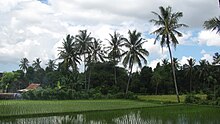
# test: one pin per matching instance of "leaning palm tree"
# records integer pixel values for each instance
(24, 64)
(115, 50)
(135, 53)
(191, 63)
(83, 43)
(69, 54)
(168, 25)
(96, 54)
(36, 64)
(213, 24)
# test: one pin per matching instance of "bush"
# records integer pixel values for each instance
(66, 94)
(192, 99)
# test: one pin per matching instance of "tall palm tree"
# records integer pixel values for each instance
(168, 25)
(115, 50)
(69, 54)
(83, 40)
(135, 53)
(191, 63)
(36, 64)
(213, 24)
(96, 54)
(24, 64)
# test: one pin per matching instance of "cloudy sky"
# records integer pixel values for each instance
(35, 28)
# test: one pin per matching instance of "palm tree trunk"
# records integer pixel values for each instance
(190, 81)
(85, 68)
(129, 79)
(90, 71)
(174, 74)
(115, 72)
(156, 88)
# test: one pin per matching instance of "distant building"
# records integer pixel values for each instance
(32, 86)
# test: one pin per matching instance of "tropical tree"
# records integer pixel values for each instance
(51, 65)
(216, 58)
(203, 71)
(115, 50)
(213, 24)
(135, 53)
(24, 64)
(83, 43)
(96, 54)
(36, 64)
(168, 25)
(69, 54)
(191, 63)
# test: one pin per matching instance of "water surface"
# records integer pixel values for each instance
(161, 115)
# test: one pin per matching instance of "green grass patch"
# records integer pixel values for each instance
(37, 107)
(166, 98)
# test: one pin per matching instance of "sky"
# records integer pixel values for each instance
(36, 28)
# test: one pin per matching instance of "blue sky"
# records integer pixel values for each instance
(35, 28)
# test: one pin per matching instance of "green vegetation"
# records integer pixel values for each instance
(102, 78)
(166, 98)
(18, 108)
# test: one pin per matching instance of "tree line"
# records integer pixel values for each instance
(101, 68)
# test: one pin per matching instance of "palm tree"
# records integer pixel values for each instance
(83, 40)
(176, 63)
(51, 65)
(191, 63)
(213, 24)
(135, 53)
(203, 71)
(115, 50)
(216, 58)
(24, 64)
(168, 25)
(96, 54)
(69, 53)
(36, 64)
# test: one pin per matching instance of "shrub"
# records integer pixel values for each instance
(192, 99)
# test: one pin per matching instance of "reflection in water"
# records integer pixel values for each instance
(163, 115)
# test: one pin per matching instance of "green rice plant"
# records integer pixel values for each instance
(30, 107)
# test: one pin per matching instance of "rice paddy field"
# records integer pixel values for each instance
(10, 108)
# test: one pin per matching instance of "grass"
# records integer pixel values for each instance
(9, 108)
(165, 98)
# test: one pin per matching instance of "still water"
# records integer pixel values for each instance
(161, 115)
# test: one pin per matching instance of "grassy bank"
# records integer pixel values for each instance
(26, 107)
(166, 98)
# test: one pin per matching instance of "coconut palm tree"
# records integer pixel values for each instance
(51, 65)
(135, 53)
(96, 54)
(168, 25)
(191, 63)
(216, 58)
(36, 64)
(69, 54)
(115, 50)
(83, 43)
(212, 24)
(24, 64)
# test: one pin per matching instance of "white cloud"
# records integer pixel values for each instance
(207, 57)
(29, 28)
(208, 38)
